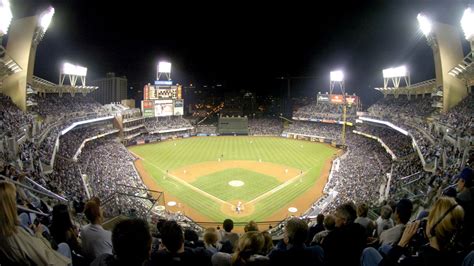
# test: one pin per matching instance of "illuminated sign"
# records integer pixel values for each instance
(148, 108)
(337, 99)
(153, 92)
(163, 82)
(323, 98)
(350, 99)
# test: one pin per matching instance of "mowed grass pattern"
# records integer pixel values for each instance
(217, 184)
(169, 155)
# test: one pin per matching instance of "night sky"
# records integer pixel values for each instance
(242, 45)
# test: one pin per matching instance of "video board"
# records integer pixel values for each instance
(163, 107)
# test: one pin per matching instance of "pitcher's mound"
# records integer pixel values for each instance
(236, 183)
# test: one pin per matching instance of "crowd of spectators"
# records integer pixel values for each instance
(55, 105)
(361, 175)
(71, 141)
(400, 144)
(110, 172)
(461, 117)
(265, 126)
(13, 121)
(154, 124)
(330, 131)
(402, 106)
(324, 110)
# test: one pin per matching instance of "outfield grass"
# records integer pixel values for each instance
(169, 155)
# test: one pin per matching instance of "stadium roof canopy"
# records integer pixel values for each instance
(43, 86)
(424, 87)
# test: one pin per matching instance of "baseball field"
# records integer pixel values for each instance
(242, 178)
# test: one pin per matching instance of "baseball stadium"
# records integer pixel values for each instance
(110, 171)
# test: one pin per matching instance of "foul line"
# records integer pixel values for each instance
(268, 193)
(189, 185)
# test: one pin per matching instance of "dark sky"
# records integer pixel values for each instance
(241, 44)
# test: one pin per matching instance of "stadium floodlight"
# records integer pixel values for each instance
(467, 24)
(400, 71)
(164, 67)
(70, 69)
(425, 24)
(46, 17)
(337, 75)
(5, 16)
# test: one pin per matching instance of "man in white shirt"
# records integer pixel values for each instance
(95, 240)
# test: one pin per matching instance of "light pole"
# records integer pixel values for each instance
(5, 17)
(337, 78)
(467, 24)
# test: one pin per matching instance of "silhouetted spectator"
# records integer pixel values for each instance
(131, 240)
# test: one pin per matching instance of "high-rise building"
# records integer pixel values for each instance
(111, 89)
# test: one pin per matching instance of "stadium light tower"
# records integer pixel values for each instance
(395, 75)
(467, 24)
(336, 78)
(24, 36)
(447, 53)
(5, 17)
(72, 72)
(164, 68)
(44, 21)
(426, 26)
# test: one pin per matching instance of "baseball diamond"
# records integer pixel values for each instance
(273, 174)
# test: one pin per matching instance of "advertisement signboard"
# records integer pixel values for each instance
(323, 98)
(148, 109)
(145, 92)
(337, 99)
(350, 100)
(178, 107)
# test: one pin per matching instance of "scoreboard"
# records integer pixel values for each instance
(162, 100)
(157, 92)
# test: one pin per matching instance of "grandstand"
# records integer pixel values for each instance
(59, 147)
